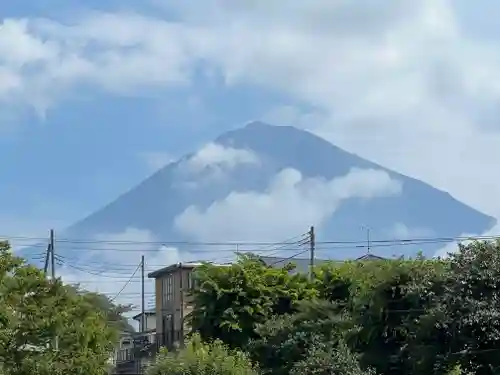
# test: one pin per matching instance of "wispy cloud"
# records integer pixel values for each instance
(274, 214)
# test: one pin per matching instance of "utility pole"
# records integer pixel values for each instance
(47, 257)
(52, 259)
(53, 271)
(368, 241)
(312, 244)
(181, 287)
(143, 319)
(368, 248)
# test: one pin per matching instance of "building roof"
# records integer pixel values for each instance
(370, 257)
(301, 264)
(173, 267)
(147, 312)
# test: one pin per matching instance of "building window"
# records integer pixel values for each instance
(168, 288)
(192, 282)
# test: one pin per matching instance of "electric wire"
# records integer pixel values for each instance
(126, 284)
(233, 244)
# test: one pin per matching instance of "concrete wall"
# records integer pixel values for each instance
(150, 322)
(158, 291)
(177, 306)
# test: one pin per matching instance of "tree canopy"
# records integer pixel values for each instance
(113, 313)
(47, 327)
(199, 358)
(404, 316)
(230, 301)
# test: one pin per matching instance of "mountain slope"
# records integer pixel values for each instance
(202, 197)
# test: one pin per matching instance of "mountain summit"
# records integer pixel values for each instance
(267, 183)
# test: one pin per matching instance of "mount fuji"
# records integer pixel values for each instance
(264, 183)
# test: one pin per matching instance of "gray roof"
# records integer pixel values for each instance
(171, 268)
(302, 264)
(370, 257)
(147, 312)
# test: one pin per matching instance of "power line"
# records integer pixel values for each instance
(197, 250)
(288, 258)
(97, 281)
(416, 240)
(239, 243)
(131, 294)
(96, 264)
(100, 274)
(124, 286)
(395, 244)
(285, 243)
(296, 240)
(130, 242)
(333, 245)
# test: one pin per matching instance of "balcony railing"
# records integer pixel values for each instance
(143, 347)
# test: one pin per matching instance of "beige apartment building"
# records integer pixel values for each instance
(172, 286)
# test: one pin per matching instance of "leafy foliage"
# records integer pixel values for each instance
(390, 299)
(199, 358)
(114, 314)
(37, 314)
(324, 359)
(285, 340)
(400, 316)
(464, 327)
(230, 301)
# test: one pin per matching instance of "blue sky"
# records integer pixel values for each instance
(86, 150)
(135, 85)
(96, 95)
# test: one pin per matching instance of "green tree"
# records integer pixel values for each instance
(464, 327)
(46, 327)
(323, 359)
(230, 301)
(457, 370)
(390, 298)
(199, 358)
(287, 339)
(113, 313)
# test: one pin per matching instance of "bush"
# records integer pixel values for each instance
(199, 358)
(285, 340)
(324, 359)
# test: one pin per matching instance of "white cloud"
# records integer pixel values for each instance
(211, 164)
(403, 232)
(155, 160)
(108, 261)
(289, 206)
(42, 59)
(452, 246)
(216, 155)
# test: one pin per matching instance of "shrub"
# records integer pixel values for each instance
(199, 358)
